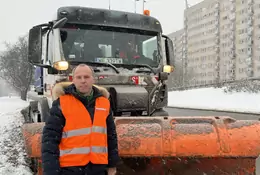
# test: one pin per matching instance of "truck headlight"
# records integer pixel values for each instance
(168, 68)
(61, 65)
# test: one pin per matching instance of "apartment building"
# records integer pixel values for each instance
(256, 38)
(201, 30)
(178, 42)
(221, 41)
(176, 80)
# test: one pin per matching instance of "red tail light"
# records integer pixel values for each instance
(102, 77)
(70, 78)
(140, 80)
(135, 79)
(157, 78)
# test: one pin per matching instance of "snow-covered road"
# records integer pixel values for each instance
(215, 99)
(12, 154)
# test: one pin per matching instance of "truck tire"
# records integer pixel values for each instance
(44, 109)
(33, 105)
(33, 112)
(26, 114)
(33, 166)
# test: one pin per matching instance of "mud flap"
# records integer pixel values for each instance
(45, 110)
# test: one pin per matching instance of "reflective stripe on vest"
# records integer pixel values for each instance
(83, 142)
(84, 150)
(84, 131)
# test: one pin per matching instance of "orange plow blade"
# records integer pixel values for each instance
(177, 145)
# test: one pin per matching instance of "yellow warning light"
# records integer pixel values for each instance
(147, 12)
(168, 68)
(61, 65)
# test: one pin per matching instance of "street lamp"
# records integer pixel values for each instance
(144, 1)
(135, 4)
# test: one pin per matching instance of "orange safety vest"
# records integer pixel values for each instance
(83, 142)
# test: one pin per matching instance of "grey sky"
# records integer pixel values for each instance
(17, 16)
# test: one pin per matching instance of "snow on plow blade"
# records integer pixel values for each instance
(177, 145)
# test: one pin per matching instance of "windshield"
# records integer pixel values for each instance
(100, 45)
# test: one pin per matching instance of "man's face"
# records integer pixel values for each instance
(83, 79)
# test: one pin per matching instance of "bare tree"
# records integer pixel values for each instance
(15, 68)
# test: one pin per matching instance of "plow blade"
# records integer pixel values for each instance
(177, 145)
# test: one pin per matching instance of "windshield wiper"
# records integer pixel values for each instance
(144, 65)
(96, 64)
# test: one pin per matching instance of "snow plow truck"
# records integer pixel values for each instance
(132, 60)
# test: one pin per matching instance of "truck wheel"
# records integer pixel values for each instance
(33, 112)
(33, 166)
(36, 166)
(39, 111)
(34, 115)
(44, 109)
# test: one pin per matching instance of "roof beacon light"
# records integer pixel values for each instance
(147, 12)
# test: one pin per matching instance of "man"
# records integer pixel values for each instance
(79, 137)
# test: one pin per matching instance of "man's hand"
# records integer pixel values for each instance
(111, 171)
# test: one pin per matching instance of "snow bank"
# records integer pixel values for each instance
(215, 99)
(12, 154)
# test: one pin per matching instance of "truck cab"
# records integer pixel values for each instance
(127, 52)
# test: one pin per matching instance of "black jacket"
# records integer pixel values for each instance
(52, 133)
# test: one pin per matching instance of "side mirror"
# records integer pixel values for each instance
(169, 50)
(35, 45)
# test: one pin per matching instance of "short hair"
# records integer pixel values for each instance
(82, 65)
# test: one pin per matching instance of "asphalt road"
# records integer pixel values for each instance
(189, 112)
(238, 116)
